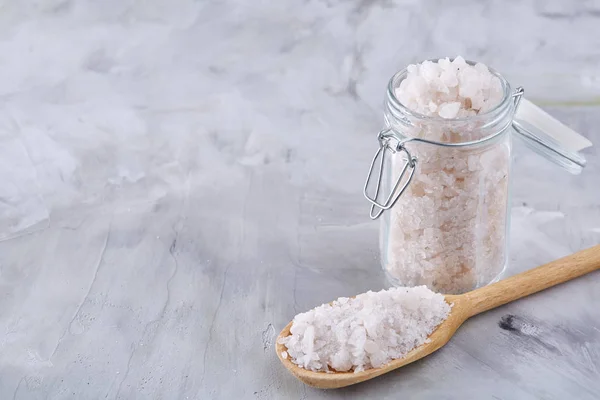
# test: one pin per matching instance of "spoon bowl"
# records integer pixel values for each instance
(323, 380)
(464, 306)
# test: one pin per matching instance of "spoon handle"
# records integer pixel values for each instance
(533, 281)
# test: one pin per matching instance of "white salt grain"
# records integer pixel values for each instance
(449, 110)
(447, 230)
(365, 332)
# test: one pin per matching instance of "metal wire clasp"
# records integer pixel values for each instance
(390, 143)
(517, 95)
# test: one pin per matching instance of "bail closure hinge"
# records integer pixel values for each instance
(517, 96)
(388, 142)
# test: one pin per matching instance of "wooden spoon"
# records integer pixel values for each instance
(465, 306)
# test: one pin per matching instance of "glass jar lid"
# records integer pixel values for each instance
(549, 137)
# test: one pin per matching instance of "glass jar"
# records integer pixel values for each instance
(443, 188)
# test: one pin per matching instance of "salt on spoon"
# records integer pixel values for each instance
(366, 331)
(463, 307)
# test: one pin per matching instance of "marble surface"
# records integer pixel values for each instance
(179, 178)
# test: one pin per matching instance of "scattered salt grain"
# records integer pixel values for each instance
(364, 332)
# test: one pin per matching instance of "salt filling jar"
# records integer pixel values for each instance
(445, 204)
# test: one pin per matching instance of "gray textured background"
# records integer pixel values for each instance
(179, 178)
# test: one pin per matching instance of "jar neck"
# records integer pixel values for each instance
(455, 132)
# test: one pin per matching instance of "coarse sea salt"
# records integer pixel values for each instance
(448, 229)
(366, 331)
(449, 89)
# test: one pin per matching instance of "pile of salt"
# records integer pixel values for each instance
(449, 89)
(364, 332)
